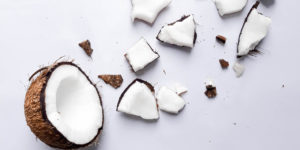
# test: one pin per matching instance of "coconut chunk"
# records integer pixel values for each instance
(238, 69)
(63, 107)
(255, 29)
(138, 99)
(229, 6)
(148, 10)
(140, 55)
(180, 33)
(169, 101)
(180, 89)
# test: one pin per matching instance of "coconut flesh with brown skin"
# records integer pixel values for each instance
(63, 108)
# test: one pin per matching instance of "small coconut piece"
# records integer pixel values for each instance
(211, 90)
(221, 39)
(113, 80)
(63, 108)
(169, 101)
(138, 99)
(238, 69)
(140, 55)
(181, 33)
(180, 89)
(224, 64)
(255, 29)
(230, 6)
(148, 10)
(86, 46)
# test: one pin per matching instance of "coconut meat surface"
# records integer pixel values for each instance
(139, 101)
(169, 101)
(254, 30)
(72, 105)
(181, 33)
(180, 89)
(140, 55)
(148, 10)
(230, 6)
(238, 69)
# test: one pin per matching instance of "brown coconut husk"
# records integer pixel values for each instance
(35, 113)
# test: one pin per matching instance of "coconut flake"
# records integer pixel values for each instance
(72, 105)
(238, 69)
(180, 33)
(255, 29)
(148, 10)
(169, 101)
(230, 6)
(180, 89)
(140, 55)
(139, 100)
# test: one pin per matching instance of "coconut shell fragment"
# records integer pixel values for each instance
(211, 91)
(221, 39)
(224, 64)
(113, 80)
(86, 46)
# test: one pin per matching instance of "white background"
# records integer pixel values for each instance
(253, 112)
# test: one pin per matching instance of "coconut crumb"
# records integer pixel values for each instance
(164, 71)
(211, 90)
(86, 46)
(113, 80)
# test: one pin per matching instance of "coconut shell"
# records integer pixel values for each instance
(35, 113)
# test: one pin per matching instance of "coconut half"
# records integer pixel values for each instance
(169, 101)
(230, 6)
(255, 29)
(63, 108)
(138, 99)
(148, 10)
(181, 33)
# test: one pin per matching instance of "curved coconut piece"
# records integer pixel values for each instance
(58, 120)
(138, 99)
(148, 10)
(255, 29)
(230, 6)
(181, 32)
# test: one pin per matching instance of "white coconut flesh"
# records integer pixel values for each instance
(139, 100)
(140, 55)
(230, 6)
(238, 69)
(72, 105)
(148, 10)
(255, 29)
(180, 89)
(169, 101)
(181, 33)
